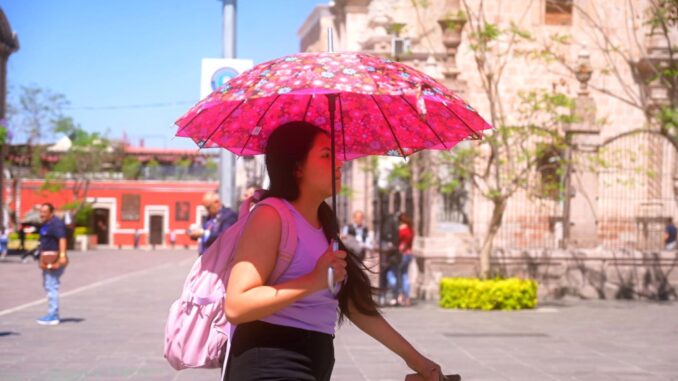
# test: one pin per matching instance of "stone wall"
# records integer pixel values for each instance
(622, 205)
(587, 274)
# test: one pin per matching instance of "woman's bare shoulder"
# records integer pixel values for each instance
(264, 220)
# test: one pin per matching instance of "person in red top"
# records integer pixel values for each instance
(406, 235)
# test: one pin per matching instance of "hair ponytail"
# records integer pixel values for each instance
(357, 288)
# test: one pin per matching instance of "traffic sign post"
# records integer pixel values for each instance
(215, 73)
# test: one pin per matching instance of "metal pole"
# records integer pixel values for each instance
(9, 43)
(567, 203)
(226, 158)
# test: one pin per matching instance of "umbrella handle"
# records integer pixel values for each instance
(330, 281)
(330, 272)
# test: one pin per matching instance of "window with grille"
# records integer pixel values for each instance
(131, 207)
(551, 167)
(558, 12)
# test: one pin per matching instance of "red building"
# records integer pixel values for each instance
(121, 207)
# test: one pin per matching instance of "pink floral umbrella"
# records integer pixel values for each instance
(382, 107)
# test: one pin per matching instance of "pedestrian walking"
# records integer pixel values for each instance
(389, 261)
(52, 260)
(406, 237)
(4, 241)
(285, 330)
(219, 219)
(356, 235)
(670, 235)
(172, 238)
(22, 237)
(137, 238)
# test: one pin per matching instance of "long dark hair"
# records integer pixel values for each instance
(404, 218)
(287, 149)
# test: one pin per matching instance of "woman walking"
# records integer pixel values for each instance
(285, 330)
(406, 236)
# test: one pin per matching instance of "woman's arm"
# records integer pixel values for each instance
(248, 297)
(382, 331)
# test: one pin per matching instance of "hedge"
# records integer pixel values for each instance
(80, 230)
(493, 294)
(14, 236)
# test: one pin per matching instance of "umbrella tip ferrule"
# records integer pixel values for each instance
(330, 40)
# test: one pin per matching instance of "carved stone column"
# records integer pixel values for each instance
(652, 214)
(452, 23)
(378, 40)
(438, 251)
(581, 183)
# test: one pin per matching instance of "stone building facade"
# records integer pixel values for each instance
(623, 204)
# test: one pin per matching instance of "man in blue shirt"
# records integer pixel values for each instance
(219, 219)
(52, 238)
(670, 235)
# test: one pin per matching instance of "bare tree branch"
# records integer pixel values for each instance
(637, 131)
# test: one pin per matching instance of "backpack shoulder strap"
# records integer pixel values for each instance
(288, 237)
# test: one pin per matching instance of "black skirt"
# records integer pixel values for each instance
(264, 351)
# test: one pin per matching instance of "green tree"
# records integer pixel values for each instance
(36, 113)
(512, 157)
(88, 157)
(33, 117)
(659, 20)
(183, 166)
(131, 167)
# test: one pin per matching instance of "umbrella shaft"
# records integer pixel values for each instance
(331, 106)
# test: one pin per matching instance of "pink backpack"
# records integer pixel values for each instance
(197, 329)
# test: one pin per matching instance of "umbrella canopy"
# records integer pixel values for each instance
(382, 107)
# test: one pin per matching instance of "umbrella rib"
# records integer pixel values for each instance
(343, 126)
(389, 126)
(249, 136)
(424, 120)
(475, 134)
(189, 122)
(222, 121)
(308, 106)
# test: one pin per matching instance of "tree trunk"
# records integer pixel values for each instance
(495, 224)
(76, 194)
(415, 167)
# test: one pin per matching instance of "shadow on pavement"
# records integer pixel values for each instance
(496, 334)
(71, 320)
(9, 333)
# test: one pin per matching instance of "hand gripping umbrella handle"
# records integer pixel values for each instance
(330, 272)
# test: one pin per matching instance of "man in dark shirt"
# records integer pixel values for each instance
(356, 236)
(52, 238)
(219, 219)
(670, 235)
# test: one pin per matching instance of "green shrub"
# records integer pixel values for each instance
(14, 236)
(494, 294)
(80, 230)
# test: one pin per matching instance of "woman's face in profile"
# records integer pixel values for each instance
(314, 173)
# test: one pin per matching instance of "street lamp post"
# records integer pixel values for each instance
(226, 158)
(9, 43)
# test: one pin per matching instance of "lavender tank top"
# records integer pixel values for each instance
(318, 311)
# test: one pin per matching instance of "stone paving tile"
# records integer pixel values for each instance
(114, 331)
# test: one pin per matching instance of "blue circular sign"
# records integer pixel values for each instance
(222, 76)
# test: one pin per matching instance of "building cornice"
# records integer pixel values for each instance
(320, 10)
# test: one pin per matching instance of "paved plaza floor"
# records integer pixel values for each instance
(114, 305)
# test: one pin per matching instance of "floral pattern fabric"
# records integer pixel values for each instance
(382, 107)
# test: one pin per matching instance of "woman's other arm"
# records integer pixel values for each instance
(377, 327)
